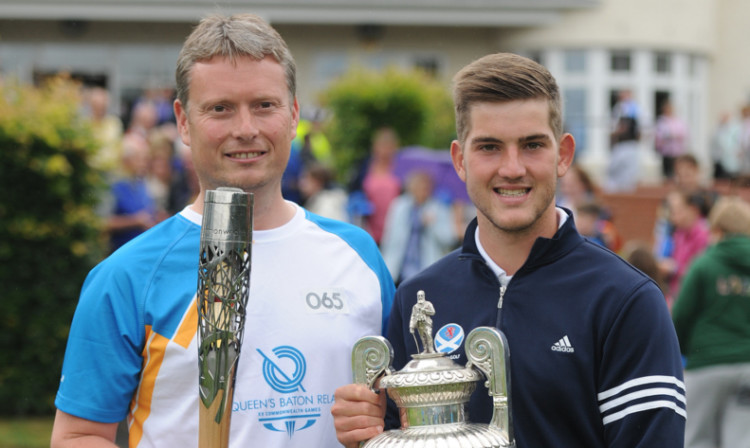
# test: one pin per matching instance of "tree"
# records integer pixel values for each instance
(416, 106)
(50, 236)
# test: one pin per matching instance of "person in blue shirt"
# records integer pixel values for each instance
(133, 207)
(418, 229)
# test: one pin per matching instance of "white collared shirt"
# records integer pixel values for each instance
(500, 272)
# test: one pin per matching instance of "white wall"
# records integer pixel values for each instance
(730, 71)
(676, 24)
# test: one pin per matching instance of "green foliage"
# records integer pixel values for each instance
(26, 433)
(440, 129)
(49, 236)
(416, 106)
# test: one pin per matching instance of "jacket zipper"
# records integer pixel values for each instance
(500, 306)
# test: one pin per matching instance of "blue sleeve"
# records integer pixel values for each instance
(365, 246)
(388, 290)
(103, 357)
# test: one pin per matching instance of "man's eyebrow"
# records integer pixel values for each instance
(485, 139)
(534, 137)
(494, 140)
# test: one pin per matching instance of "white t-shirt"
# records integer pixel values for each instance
(316, 286)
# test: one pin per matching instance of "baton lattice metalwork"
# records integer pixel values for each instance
(222, 319)
(223, 291)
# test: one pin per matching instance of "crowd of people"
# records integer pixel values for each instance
(149, 171)
(537, 258)
(151, 177)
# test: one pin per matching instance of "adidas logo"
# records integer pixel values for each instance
(563, 345)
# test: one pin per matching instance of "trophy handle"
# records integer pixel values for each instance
(371, 357)
(487, 350)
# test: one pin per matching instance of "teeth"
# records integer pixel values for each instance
(244, 155)
(505, 192)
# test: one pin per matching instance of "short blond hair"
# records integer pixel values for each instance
(730, 216)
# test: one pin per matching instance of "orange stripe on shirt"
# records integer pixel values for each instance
(153, 356)
(189, 326)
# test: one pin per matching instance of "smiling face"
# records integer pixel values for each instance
(510, 161)
(239, 123)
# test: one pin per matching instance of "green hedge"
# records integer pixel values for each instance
(50, 236)
(416, 106)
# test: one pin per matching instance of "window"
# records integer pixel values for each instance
(663, 62)
(427, 64)
(693, 65)
(575, 61)
(620, 61)
(535, 56)
(574, 113)
(660, 97)
(327, 66)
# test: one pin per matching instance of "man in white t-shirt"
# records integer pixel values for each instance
(316, 285)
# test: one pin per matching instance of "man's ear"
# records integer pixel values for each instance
(180, 113)
(457, 155)
(295, 118)
(566, 155)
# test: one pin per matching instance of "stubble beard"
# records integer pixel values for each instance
(524, 227)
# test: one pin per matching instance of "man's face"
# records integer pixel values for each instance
(510, 162)
(239, 123)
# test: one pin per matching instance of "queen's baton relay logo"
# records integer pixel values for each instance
(449, 338)
(284, 370)
(277, 377)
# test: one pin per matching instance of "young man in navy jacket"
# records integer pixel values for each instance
(594, 360)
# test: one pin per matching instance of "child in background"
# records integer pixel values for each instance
(592, 222)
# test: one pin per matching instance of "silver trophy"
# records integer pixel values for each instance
(223, 289)
(432, 390)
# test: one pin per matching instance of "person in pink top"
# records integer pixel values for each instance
(670, 138)
(381, 186)
(687, 213)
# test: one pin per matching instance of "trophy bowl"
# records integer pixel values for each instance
(431, 391)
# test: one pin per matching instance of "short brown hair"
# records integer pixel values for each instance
(504, 77)
(232, 37)
(687, 159)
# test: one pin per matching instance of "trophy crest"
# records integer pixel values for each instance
(432, 390)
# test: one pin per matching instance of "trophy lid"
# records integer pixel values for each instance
(430, 377)
(435, 370)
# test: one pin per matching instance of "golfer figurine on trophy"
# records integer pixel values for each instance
(422, 322)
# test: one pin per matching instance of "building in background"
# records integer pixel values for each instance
(690, 52)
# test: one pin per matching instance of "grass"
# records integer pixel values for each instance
(32, 432)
